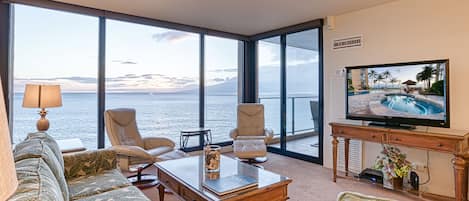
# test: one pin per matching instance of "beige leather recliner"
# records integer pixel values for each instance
(131, 148)
(250, 137)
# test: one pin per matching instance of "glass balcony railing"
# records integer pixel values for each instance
(301, 111)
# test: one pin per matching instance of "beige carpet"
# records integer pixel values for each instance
(311, 182)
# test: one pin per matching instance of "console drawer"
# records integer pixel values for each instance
(427, 142)
(168, 181)
(362, 134)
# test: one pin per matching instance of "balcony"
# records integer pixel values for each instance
(302, 134)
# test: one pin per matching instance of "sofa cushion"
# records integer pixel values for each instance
(90, 162)
(130, 193)
(36, 182)
(49, 141)
(94, 184)
(37, 148)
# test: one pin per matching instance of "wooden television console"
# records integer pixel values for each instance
(455, 142)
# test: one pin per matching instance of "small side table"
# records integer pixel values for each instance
(187, 133)
(71, 145)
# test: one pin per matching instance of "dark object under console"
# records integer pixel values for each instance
(372, 175)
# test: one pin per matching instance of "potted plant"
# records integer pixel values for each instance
(394, 165)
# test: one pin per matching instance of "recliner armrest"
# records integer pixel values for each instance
(269, 134)
(154, 142)
(234, 133)
(133, 151)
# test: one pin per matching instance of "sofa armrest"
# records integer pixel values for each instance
(154, 142)
(89, 162)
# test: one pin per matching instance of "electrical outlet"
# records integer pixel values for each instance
(419, 166)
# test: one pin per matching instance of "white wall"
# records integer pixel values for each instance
(400, 31)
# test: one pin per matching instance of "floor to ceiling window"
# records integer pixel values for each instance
(221, 86)
(269, 82)
(289, 74)
(302, 88)
(54, 47)
(156, 72)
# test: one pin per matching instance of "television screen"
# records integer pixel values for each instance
(405, 93)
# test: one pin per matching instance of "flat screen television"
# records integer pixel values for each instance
(412, 93)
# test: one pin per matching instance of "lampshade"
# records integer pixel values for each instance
(42, 96)
(8, 181)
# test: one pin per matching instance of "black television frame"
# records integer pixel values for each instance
(396, 121)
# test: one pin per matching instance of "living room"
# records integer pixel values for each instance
(228, 61)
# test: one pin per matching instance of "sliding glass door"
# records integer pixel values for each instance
(289, 86)
(302, 92)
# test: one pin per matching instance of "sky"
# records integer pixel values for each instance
(59, 47)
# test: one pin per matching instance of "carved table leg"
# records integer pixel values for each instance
(334, 157)
(460, 178)
(346, 147)
(161, 192)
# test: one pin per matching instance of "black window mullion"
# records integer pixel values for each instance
(283, 92)
(101, 81)
(201, 86)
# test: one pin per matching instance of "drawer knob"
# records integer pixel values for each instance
(397, 139)
(341, 131)
(440, 144)
(373, 136)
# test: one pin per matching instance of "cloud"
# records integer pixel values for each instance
(68, 84)
(150, 82)
(218, 79)
(125, 62)
(226, 70)
(170, 36)
(85, 80)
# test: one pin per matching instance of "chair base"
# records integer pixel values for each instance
(259, 159)
(143, 181)
(254, 161)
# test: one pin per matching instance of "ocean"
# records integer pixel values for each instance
(157, 115)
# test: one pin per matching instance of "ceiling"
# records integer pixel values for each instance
(245, 17)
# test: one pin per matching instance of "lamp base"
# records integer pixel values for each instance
(43, 123)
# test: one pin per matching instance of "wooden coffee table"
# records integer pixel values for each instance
(184, 178)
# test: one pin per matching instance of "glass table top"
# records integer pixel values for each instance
(190, 171)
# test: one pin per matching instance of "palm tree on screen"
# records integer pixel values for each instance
(373, 75)
(386, 75)
(437, 72)
(393, 80)
(380, 78)
(425, 75)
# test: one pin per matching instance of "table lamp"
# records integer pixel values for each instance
(42, 96)
(8, 181)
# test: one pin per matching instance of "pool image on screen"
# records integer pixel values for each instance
(414, 91)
